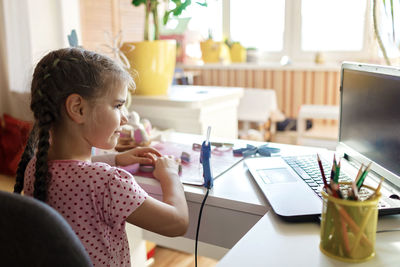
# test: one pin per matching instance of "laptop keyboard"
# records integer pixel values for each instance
(307, 168)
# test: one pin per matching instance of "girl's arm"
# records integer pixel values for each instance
(169, 217)
(135, 155)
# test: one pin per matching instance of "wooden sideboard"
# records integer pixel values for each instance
(294, 85)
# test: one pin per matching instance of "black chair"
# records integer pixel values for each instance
(34, 234)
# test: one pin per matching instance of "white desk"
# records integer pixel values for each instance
(233, 207)
(272, 242)
(191, 109)
(236, 210)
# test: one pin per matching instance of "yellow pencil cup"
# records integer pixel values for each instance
(348, 227)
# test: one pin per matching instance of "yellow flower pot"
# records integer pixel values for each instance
(238, 53)
(214, 52)
(154, 64)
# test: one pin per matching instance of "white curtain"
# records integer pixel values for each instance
(28, 30)
(3, 66)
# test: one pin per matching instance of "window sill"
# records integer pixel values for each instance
(263, 66)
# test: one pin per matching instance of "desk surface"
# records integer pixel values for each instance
(273, 242)
(235, 189)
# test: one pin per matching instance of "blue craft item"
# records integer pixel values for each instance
(205, 155)
(73, 39)
(251, 150)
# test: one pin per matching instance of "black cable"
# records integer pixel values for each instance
(198, 226)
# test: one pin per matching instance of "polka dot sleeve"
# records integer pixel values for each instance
(122, 196)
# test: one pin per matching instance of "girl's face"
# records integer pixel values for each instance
(104, 127)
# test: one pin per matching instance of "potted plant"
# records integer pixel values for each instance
(152, 59)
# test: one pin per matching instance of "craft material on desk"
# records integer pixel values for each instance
(192, 171)
(251, 150)
(185, 157)
(133, 168)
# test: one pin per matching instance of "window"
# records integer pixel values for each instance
(206, 20)
(258, 24)
(296, 28)
(332, 25)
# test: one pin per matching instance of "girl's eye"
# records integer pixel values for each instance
(119, 106)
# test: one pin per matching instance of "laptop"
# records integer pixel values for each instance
(369, 132)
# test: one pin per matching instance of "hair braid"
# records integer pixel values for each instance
(25, 158)
(42, 175)
(46, 118)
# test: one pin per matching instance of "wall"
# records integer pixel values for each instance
(294, 86)
(99, 17)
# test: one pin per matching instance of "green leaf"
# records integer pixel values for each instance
(180, 6)
(166, 17)
(138, 2)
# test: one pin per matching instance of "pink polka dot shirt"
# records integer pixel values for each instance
(95, 199)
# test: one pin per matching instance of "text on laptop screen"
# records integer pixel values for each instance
(370, 116)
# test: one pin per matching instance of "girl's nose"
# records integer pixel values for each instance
(124, 119)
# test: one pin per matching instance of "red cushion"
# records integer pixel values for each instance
(14, 134)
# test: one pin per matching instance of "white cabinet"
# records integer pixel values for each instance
(191, 109)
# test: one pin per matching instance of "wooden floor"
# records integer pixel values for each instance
(6, 183)
(164, 257)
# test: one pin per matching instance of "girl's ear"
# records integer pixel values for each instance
(75, 106)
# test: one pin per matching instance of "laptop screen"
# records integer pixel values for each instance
(370, 114)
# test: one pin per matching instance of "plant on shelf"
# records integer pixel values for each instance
(151, 8)
(153, 60)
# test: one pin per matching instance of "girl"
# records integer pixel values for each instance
(77, 98)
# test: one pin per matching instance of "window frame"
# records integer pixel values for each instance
(292, 37)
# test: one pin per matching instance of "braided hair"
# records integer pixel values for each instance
(57, 75)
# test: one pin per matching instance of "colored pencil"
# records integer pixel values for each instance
(337, 172)
(360, 171)
(363, 176)
(333, 170)
(322, 172)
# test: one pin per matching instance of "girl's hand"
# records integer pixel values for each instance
(142, 155)
(172, 213)
(166, 167)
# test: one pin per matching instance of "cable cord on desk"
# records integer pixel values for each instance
(230, 168)
(198, 226)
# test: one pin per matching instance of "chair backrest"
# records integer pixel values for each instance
(34, 234)
(256, 105)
